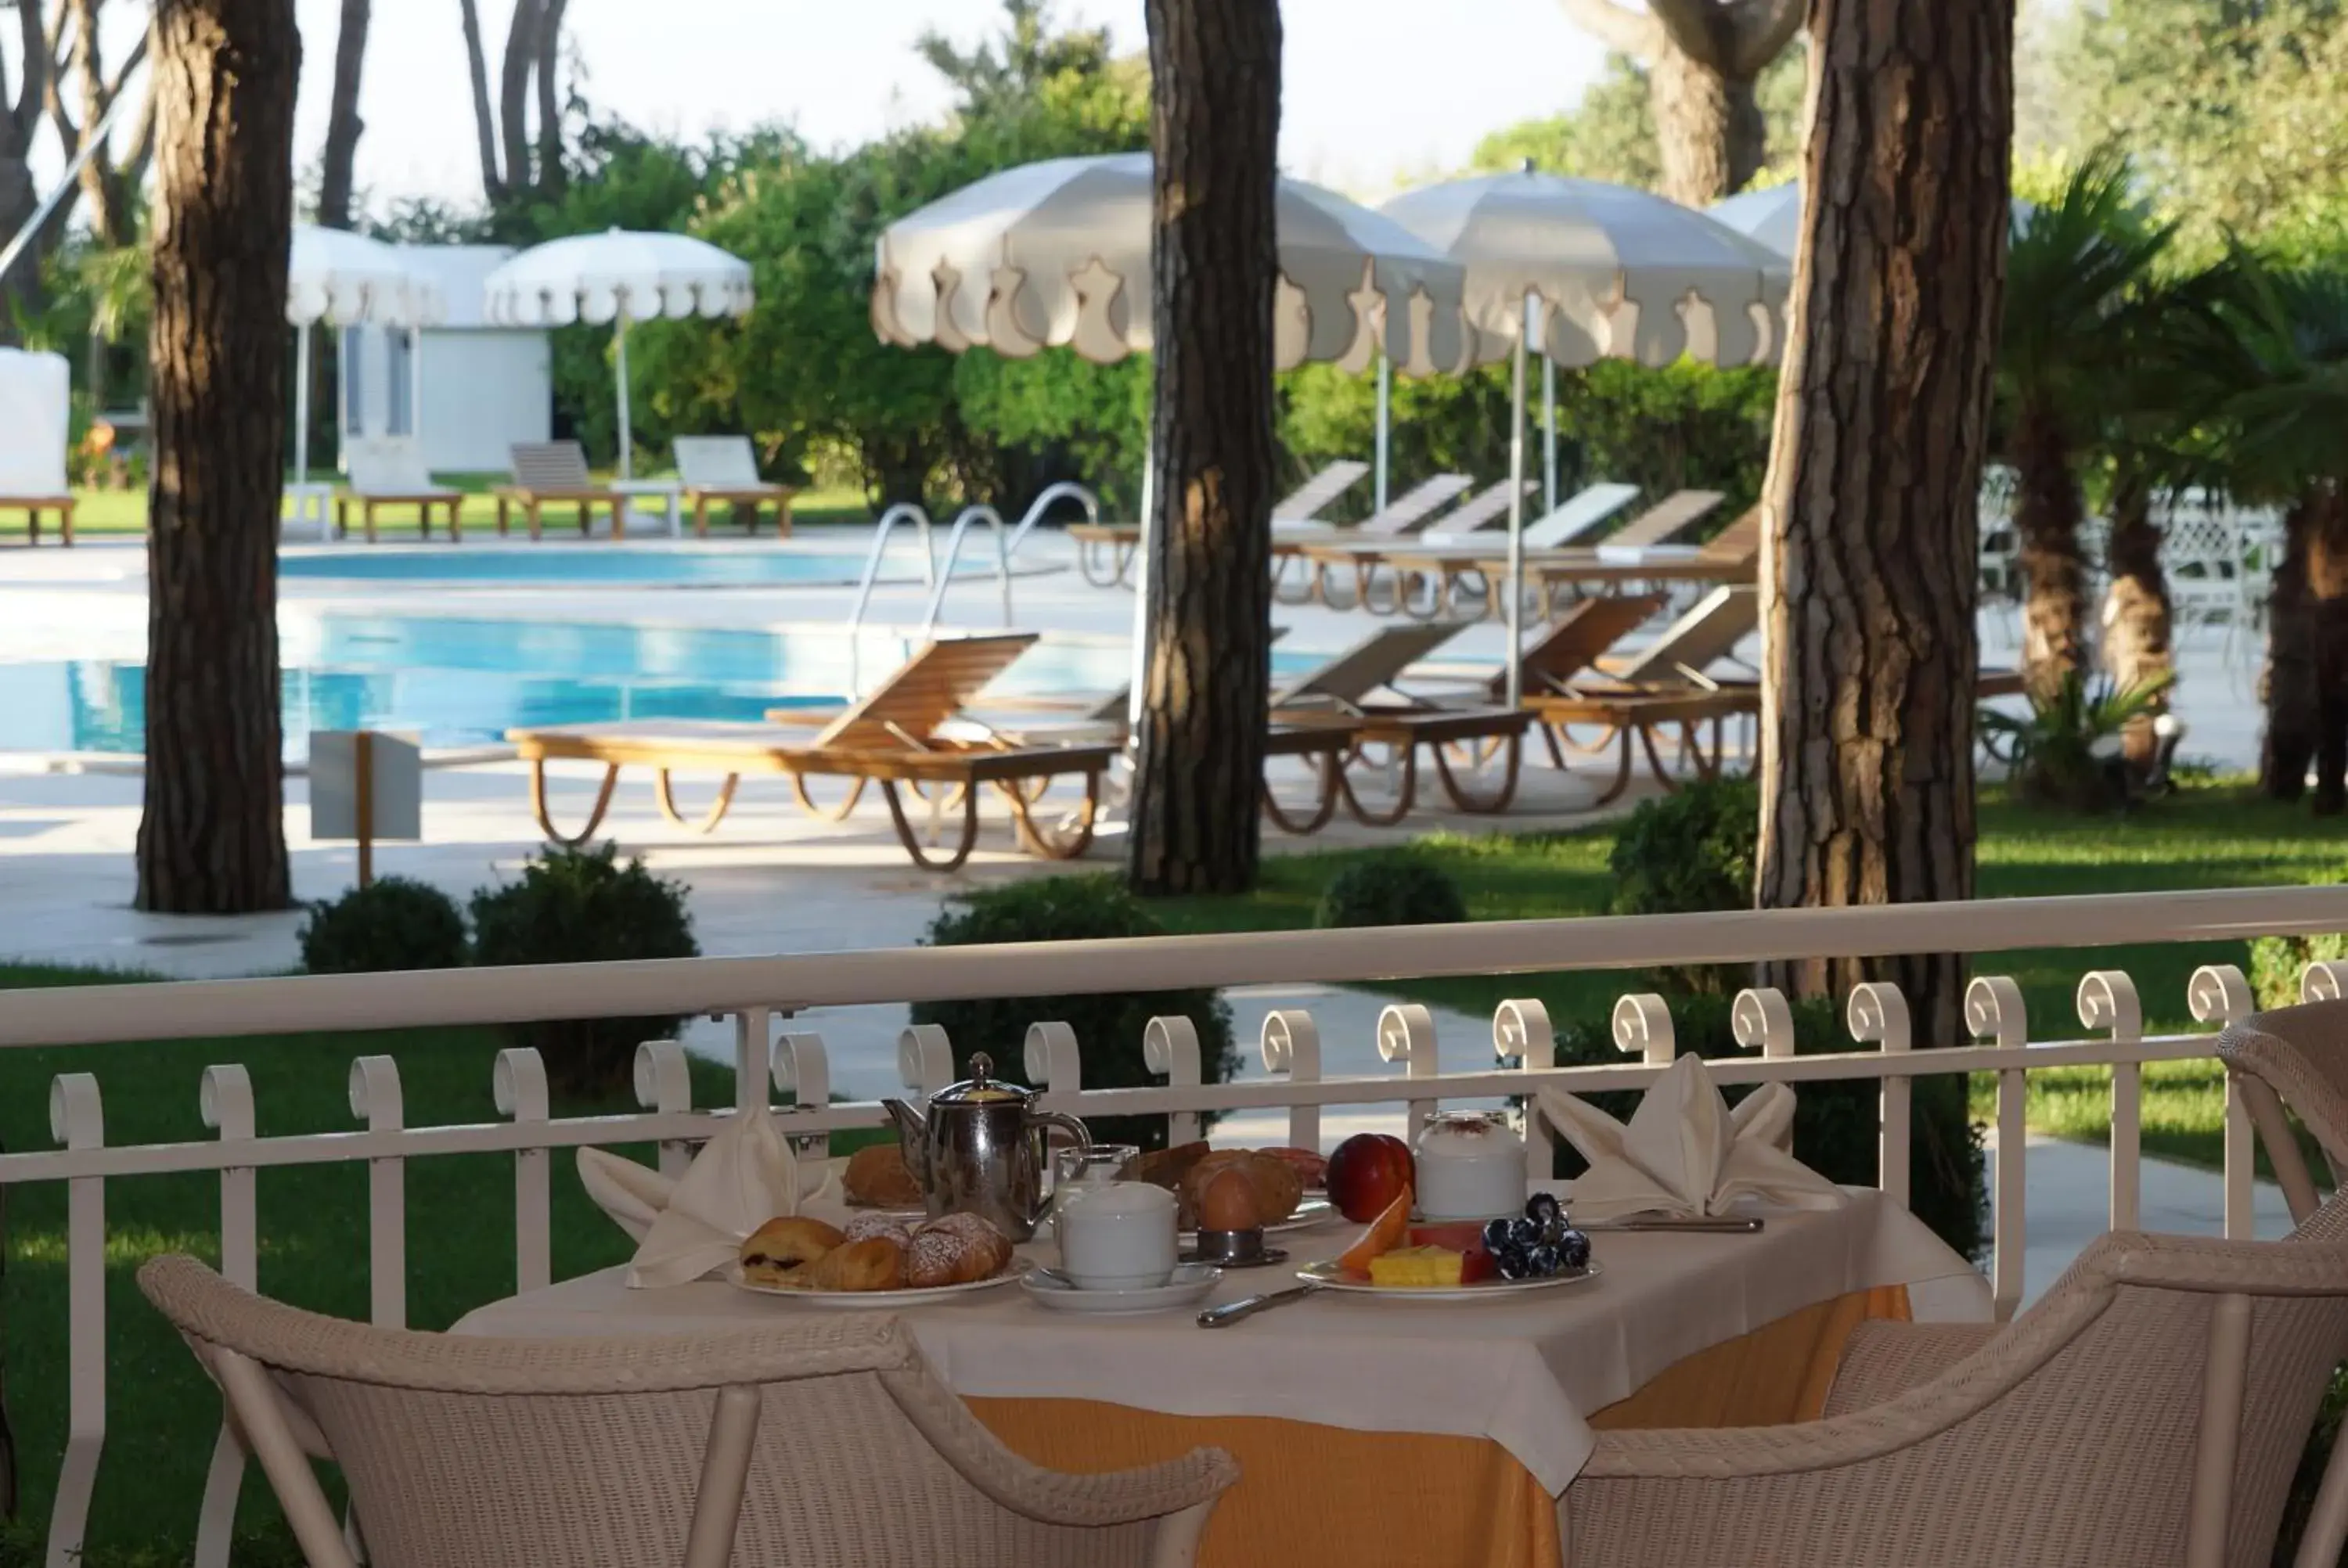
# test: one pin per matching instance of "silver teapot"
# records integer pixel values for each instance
(981, 1148)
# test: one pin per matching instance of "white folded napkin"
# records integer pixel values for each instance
(1684, 1152)
(686, 1228)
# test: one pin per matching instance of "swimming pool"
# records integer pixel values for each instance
(608, 566)
(458, 681)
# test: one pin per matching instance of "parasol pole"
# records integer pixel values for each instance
(1516, 688)
(1386, 418)
(627, 458)
(1548, 427)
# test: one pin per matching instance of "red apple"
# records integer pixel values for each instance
(1367, 1172)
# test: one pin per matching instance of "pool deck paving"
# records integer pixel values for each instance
(773, 880)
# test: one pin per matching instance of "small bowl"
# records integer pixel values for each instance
(1234, 1249)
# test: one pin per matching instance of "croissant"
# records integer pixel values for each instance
(876, 1263)
(955, 1250)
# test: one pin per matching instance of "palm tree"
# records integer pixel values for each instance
(2281, 359)
(2075, 274)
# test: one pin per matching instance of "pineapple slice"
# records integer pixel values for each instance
(1417, 1267)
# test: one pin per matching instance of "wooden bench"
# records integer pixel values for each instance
(34, 506)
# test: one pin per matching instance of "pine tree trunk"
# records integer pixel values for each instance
(1708, 128)
(337, 172)
(2327, 582)
(2048, 512)
(2287, 684)
(1215, 131)
(212, 840)
(1868, 573)
(2136, 634)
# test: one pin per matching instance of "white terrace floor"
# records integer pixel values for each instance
(770, 879)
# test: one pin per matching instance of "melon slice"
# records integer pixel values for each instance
(1384, 1234)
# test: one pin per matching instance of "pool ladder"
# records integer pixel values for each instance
(936, 580)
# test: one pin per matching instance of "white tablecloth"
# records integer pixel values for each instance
(1521, 1370)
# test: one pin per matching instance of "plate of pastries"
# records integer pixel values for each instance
(875, 1260)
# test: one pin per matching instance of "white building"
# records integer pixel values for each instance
(484, 388)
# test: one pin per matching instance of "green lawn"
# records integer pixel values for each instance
(461, 1209)
(116, 512)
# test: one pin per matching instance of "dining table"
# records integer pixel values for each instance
(1376, 1429)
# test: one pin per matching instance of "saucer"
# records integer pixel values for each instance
(1190, 1285)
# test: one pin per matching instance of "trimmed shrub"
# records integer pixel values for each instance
(1835, 1123)
(1685, 853)
(1108, 1025)
(2276, 963)
(580, 906)
(390, 924)
(1392, 888)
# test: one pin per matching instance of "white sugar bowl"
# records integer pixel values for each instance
(1471, 1166)
(1116, 1235)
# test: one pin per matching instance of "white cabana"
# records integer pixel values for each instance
(36, 419)
(618, 276)
(347, 280)
(1582, 269)
(1056, 255)
(1774, 217)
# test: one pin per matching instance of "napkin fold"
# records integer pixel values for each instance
(1685, 1153)
(695, 1225)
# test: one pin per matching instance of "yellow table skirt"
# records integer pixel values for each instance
(1311, 1495)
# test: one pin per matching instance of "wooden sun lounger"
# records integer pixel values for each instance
(725, 470)
(1364, 557)
(34, 506)
(954, 772)
(556, 471)
(868, 742)
(1104, 550)
(1733, 556)
(1447, 566)
(388, 474)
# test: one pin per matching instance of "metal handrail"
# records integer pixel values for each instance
(969, 515)
(903, 511)
(1066, 489)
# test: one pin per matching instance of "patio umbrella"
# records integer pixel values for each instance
(347, 280)
(1056, 253)
(1774, 217)
(1582, 270)
(617, 276)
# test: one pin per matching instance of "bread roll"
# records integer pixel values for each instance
(1279, 1189)
(876, 1263)
(876, 1178)
(778, 1249)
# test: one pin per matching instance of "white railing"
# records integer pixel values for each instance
(759, 993)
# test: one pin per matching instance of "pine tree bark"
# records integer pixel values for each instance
(337, 174)
(485, 140)
(20, 194)
(2137, 646)
(2305, 685)
(2287, 686)
(213, 838)
(1703, 59)
(1869, 557)
(2048, 512)
(1215, 132)
(1708, 128)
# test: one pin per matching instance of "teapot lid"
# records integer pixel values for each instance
(981, 1087)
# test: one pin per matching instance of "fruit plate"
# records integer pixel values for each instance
(883, 1300)
(1328, 1276)
(1310, 1212)
(1191, 1285)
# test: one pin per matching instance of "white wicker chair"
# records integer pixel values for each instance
(2149, 1410)
(823, 1439)
(2298, 1057)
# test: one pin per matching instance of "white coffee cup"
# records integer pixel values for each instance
(1116, 1235)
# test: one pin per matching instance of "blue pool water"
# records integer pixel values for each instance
(610, 567)
(461, 681)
